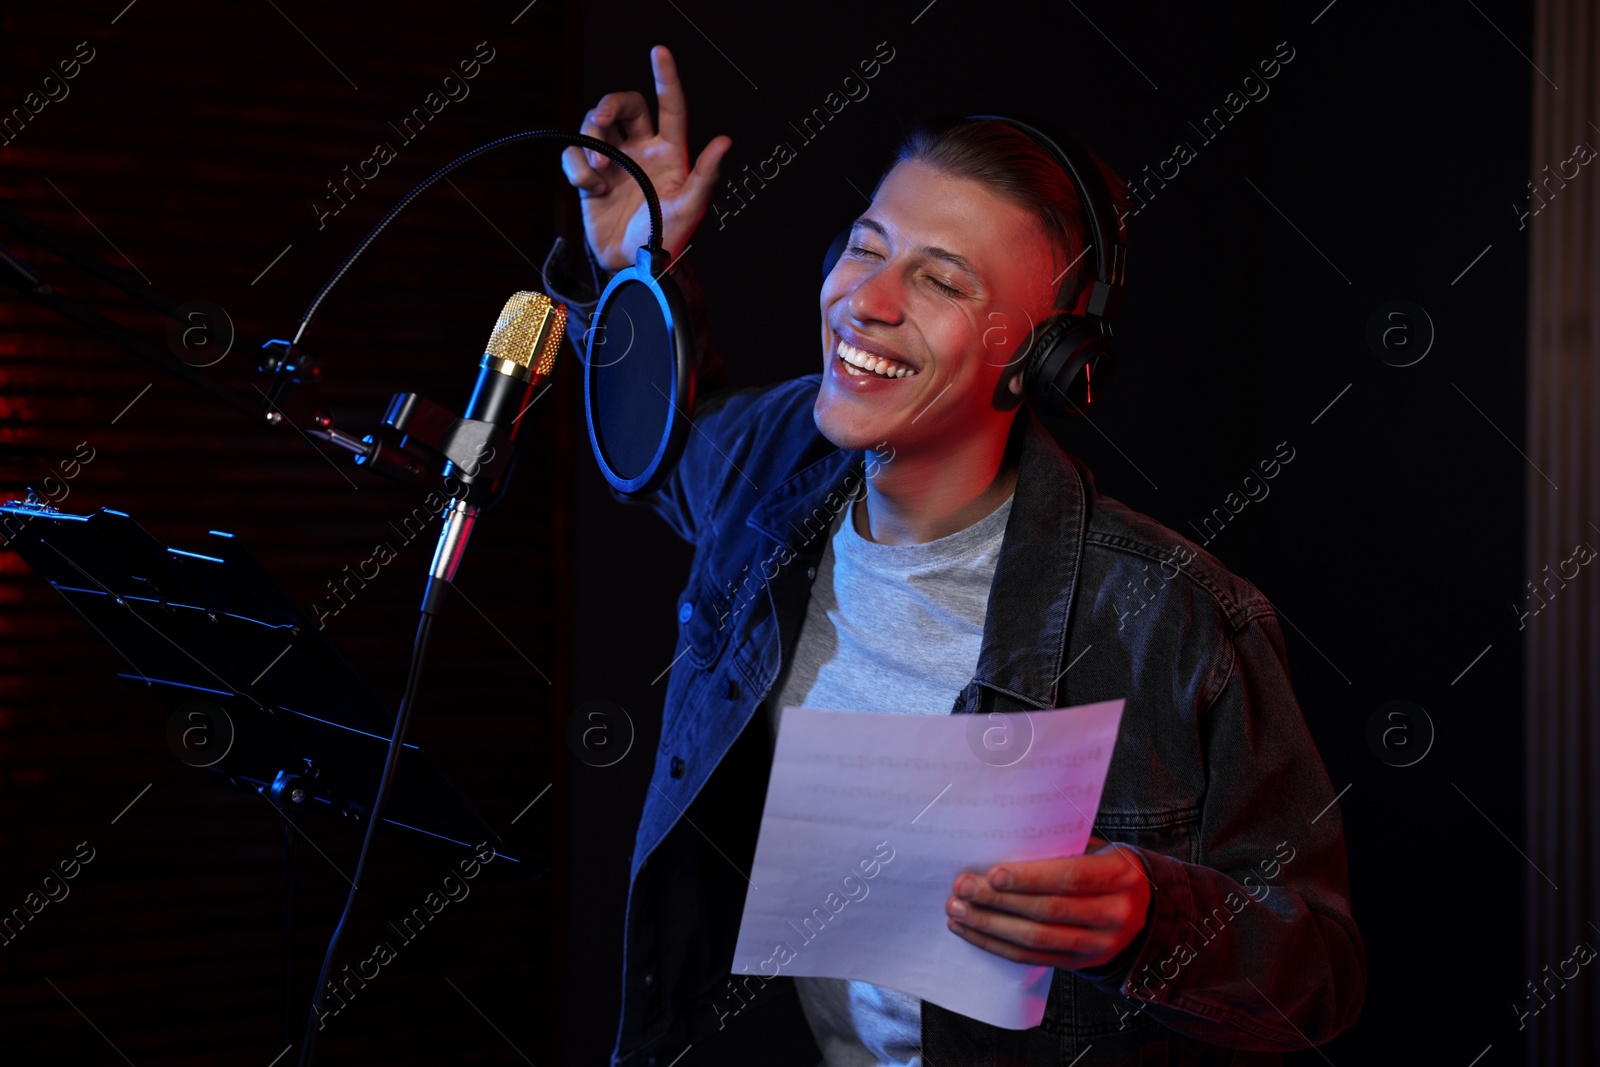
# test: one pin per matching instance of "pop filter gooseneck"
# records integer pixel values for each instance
(528, 137)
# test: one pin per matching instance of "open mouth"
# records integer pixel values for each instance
(859, 364)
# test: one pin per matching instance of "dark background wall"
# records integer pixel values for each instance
(1380, 166)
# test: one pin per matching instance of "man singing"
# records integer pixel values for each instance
(900, 534)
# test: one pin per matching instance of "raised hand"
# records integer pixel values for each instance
(615, 218)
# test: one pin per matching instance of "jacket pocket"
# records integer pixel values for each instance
(706, 618)
(1170, 831)
(1114, 1024)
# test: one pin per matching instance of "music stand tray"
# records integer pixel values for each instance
(276, 707)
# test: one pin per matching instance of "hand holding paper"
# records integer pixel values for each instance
(1069, 912)
(871, 818)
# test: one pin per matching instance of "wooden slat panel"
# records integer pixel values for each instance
(1562, 640)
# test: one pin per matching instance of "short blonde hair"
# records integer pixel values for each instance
(1023, 171)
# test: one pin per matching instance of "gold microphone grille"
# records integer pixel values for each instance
(527, 336)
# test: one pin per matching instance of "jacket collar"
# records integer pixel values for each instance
(1030, 600)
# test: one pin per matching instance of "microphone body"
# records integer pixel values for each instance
(515, 368)
(502, 393)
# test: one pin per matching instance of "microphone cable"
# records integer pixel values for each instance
(391, 763)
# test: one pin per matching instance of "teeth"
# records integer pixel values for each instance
(887, 368)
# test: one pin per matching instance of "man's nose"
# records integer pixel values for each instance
(879, 297)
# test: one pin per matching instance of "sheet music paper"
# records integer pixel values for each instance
(870, 817)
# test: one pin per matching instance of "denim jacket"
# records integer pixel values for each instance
(1215, 784)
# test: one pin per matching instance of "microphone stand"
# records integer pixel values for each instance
(461, 442)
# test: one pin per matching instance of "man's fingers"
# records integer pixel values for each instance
(632, 113)
(709, 165)
(1089, 952)
(1090, 873)
(579, 174)
(1040, 937)
(670, 100)
(1099, 911)
(617, 117)
(595, 123)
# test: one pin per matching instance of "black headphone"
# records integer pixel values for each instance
(1069, 361)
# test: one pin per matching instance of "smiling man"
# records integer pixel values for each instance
(942, 554)
(919, 317)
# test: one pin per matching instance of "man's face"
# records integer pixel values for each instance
(945, 278)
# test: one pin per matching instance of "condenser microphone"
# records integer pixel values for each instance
(515, 369)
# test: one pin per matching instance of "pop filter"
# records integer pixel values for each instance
(638, 376)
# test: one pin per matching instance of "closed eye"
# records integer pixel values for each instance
(863, 251)
(950, 290)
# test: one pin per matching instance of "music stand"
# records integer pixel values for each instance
(270, 704)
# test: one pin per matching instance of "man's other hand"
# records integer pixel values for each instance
(1069, 912)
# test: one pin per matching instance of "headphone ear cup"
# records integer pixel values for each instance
(835, 250)
(1069, 367)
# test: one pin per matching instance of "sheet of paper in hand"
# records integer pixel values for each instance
(870, 817)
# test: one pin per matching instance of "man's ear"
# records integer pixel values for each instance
(1008, 390)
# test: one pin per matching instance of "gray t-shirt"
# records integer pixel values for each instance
(890, 628)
